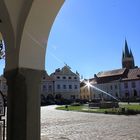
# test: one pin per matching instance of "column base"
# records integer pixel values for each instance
(23, 110)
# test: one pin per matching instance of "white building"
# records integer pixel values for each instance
(106, 91)
(122, 84)
(108, 82)
(66, 83)
(47, 84)
(130, 85)
(84, 91)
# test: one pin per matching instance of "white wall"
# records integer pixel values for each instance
(130, 89)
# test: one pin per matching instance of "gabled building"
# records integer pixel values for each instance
(47, 86)
(66, 83)
(61, 84)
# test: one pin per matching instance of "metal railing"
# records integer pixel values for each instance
(2, 116)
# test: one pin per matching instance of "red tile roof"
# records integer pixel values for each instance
(133, 74)
(111, 73)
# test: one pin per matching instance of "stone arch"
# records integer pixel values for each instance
(36, 35)
(25, 26)
(7, 32)
(13, 18)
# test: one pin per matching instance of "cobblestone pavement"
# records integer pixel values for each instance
(68, 125)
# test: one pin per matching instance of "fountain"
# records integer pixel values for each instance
(102, 103)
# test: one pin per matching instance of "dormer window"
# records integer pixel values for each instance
(58, 77)
(64, 77)
(69, 77)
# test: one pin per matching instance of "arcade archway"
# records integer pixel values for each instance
(25, 26)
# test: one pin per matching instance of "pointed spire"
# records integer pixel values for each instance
(127, 58)
(126, 52)
(123, 55)
(131, 54)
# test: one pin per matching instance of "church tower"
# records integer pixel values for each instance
(127, 58)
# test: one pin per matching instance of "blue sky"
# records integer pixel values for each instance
(89, 35)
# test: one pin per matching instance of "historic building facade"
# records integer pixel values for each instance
(66, 83)
(123, 84)
(85, 93)
(47, 86)
(63, 83)
(130, 85)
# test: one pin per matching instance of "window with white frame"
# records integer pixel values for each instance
(70, 86)
(64, 86)
(75, 86)
(58, 86)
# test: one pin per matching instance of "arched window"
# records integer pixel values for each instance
(64, 77)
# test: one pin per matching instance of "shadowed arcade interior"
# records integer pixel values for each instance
(25, 26)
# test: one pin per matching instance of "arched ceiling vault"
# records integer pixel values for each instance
(25, 26)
